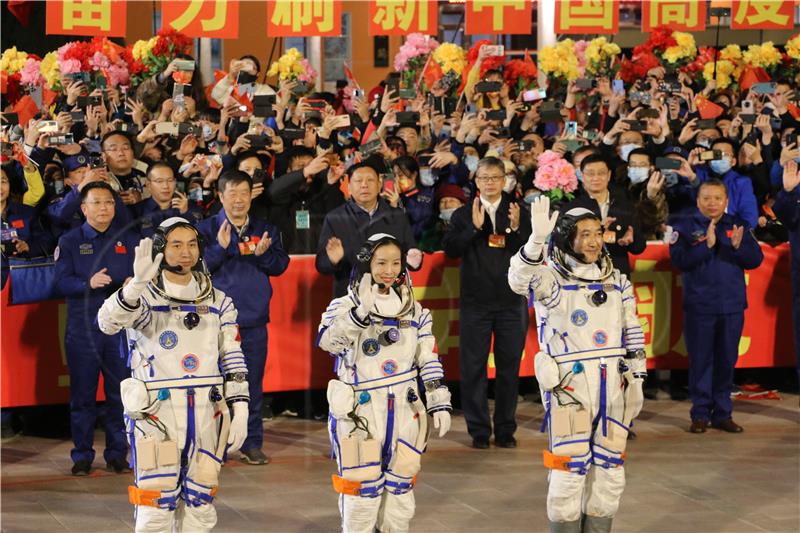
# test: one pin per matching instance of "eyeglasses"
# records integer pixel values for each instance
(487, 179)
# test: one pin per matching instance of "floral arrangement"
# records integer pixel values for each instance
(31, 73)
(599, 56)
(559, 61)
(793, 47)
(293, 66)
(705, 55)
(726, 73)
(555, 177)
(521, 74)
(636, 68)
(147, 58)
(50, 70)
(681, 53)
(489, 63)
(13, 60)
(12, 63)
(451, 58)
(414, 52)
(765, 56)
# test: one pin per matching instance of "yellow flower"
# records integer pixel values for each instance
(725, 70)
(450, 57)
(793, 47)
(731, 52)
(763, 55)
(49, 69)
(142, 48)
(12, 60)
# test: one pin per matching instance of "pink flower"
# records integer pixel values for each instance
(547, 157)
(69, 66)
(555, 173)
(309, 74)
(62, 51)
(416, 45)
(99, 61)
(580, 53)
(118, 74)
(30, 74)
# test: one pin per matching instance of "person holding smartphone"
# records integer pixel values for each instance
(165, 200)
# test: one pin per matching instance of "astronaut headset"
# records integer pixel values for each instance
(364, 258)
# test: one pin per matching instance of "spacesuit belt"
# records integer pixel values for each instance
(148, 497)
(185, 383)
(387, 381)
(589, 354)
(560, 462)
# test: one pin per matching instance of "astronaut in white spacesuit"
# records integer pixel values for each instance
(382, 340)
(591, 365)
(188, 374)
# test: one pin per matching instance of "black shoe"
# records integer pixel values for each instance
(631, 435)
(728, 425)
(254, 456)
(480, 443)
(698, 426)
(118, 466)
(505, 442)
(81, 468)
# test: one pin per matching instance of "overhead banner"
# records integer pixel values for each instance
(401, 17)
(217, 19)
(304, 18)
(762, 15)
(678, 15)
(89, 18)
(490, 17)
(33, 365)
(587, 16)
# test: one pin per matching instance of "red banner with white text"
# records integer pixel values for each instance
(33, 365)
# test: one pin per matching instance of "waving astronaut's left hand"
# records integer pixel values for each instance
(145, 267)
(238, 431)
(634, 400)
(441, 421)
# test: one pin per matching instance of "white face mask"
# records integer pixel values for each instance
(447, 214)
(510, 185)
(638, 175)
(626, 149)
(471, 162)
(427, 177)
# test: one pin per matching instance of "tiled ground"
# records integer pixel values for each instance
(677, 482)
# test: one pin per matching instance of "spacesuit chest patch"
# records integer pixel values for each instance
(371, 347)
(600, 338)
(389, 367)
(579, 317)
(190, 363)
(168, 340)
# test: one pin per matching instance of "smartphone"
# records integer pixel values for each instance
(82, 77)
(764, 88)
(571, 129)
(791, 139)
(259, 176)
(259, 141)
(706, 124)
(10, 119)
(488, 86)
(618, 86)
(166, 128)
(710, 155)
(393, 86)
(424, 160)
(648, 113)
(102, 82)
(95, 101)
(186, 65)
(495, 50)
(370, 148)
(526, 145)
(407, 117)
(496, 114)
(444, 105)
(293, 133)
(130, 129)
(264, 100)
(48, 126)
(97, 162)
(300, 89)
(341, 121)
(181, 89)
(58, 140)
(747, 107)
(317, 104)
(636, 125)
(584, 84)
(358, 93)
(667, 163)
(82, 102)
(245, 78)
(185, 128)
(775, 123)
(748, 118)
(669, 87)
(388, 183)
(550, 115)
(533, 95)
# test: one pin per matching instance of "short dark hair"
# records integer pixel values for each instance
(95, 185)
(491, 162)
(713, 182)
(407, 164)
(113, 133)
(233, 177)
(640, 151)
(254, 59)
(159, 164)
(363, 164)
(248, 155)
(585, 148)
(730, 142)
(594, 158)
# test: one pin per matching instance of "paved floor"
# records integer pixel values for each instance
(677, 482)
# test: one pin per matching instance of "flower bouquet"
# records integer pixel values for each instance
(412, 57)
(521, 74)
(147, 58)
(600, 56)
(555, 176)
(559, 62)
(292, 66)
(12, 63)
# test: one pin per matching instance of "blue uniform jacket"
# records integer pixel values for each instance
(64, 211)
(245, 278)
(420, 209)
(81, 253)
(149, 215)
(741, 198)
(713, 278)
(21, 220)
(787, 209)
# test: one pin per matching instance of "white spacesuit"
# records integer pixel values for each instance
(378, 424)
(591, 367)
(186, 364)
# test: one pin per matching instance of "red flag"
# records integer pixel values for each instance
(350, 78)
(243, 99)
(432, 73)
(707, 108)
(751, 76)
(21, 9)
(367, 132)
(26, 109)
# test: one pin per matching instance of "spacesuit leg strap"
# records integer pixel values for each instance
(596, 524)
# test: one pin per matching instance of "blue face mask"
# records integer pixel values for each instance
(531, 197)
(426, 177)
(638, 175)
(471, 162)
(626, 149)
(721, 166)
(579, 174)
(446, 214)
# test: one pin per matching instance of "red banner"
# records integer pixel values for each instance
(304, 18)
(401, 17)
(218, 19)
(33, 366)
(762, 15)
(86, 17)
(498, 17)
(587, 16)
(678, 15)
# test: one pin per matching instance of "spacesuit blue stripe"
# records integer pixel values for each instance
(233, 352)
(546, 412)
(410, 446)
(570, 442)
(361, 466)
(158, 475)
(189, 426)
(208, 453)
(395, 375)
(390, 322)
(603, 414)
(387, 442)
(425, 335)
(319, 335)
(588, 351)
(595, 445)
(144, 316)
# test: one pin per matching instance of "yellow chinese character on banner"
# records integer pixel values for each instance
(597, 15)
(765, 11)
(301, 13)
(390, 14)
(217, 22)
(666, 12)
(497, 9)
(87, 14)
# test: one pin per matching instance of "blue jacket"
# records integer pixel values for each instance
(64, 211)
(420, 208)
(149, 215)
(713, 278)
(20, 222)
(245, 278)
(787, 209)
(741, 198)
(81, 253)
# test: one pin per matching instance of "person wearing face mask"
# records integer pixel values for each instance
(415, 184)
(646, 192)
(712, 248)
(448, 198)
(741, 199)
(592, 365)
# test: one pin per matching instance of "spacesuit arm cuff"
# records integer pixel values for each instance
(530, 251)
(123, 303)
(438, 399)
(357, 320)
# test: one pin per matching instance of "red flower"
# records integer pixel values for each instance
(490, 63)
(660, 39)
(705, 55)
(82, 51)
(517, 69)
(636, 68)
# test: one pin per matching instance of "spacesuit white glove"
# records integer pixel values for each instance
(145, 267)
(441, 421)
(367, 293)
(542, 224)
(238, 431)
(136, 399)
(634, 400)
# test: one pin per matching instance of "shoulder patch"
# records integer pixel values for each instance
(56, 253)
(673, 238)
